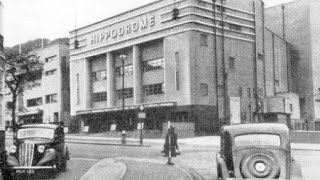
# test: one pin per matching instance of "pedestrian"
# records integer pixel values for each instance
(171, 147)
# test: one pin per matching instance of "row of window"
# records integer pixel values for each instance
(52, 98)
(128, 69)
(152, 89)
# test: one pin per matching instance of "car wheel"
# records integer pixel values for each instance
(260, 163)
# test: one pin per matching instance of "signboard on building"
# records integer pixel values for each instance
(235, 113)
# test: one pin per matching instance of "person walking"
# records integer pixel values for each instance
(171, 145)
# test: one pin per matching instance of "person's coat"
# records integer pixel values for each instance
(174, 144)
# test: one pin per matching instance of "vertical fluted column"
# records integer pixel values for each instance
(87, 84)
(137, 76)
(111, 91)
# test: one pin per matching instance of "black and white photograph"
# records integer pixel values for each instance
(159, 89)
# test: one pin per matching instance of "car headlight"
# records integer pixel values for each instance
(13, 149)
(41, 149)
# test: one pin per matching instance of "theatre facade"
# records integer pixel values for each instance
(196, 63)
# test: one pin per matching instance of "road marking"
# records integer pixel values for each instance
(155, 161)
(85, 159)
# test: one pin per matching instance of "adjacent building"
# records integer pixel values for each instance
(297, 23)
(49, 102)
(197, 63)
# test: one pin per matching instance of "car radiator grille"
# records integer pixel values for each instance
(26, 152)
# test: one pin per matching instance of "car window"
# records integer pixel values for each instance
(35, 133)
(257, 140)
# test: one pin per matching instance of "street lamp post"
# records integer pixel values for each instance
(123, 57)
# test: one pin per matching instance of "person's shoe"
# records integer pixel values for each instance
(170, 163)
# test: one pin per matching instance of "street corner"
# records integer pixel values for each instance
(105, 168)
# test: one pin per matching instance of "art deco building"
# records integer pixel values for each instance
(198, 63)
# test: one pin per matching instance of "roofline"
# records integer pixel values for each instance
(282, 4)
(83, 27)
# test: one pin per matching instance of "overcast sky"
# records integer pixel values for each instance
(29, 19)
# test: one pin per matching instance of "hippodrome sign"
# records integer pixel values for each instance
(123, 30)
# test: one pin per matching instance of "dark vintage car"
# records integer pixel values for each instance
(256, 151)
(37, 148)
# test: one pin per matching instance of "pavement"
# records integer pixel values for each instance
(201, 162)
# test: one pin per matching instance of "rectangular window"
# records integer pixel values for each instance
(78, 89)
(99, 97)
(231, 62)
(260, 57)
(220, 90)
(128, 70)
(277, 82)
(34, 102)
(204, 89)
(152, 64)
(240, 92)
(204, 40)
(222, 24)
(176, 55)
(52, 98)
(127, 93)
(235, 27)
(51, 72)
(49, 59)
(99, 75)
(249, 92)
(153, 89)
(9, 105)
(291, 108)
(221, 9)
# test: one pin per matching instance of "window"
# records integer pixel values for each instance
(128, 70)
(52, 98)
(234, 27)
(49, 59)
(222, 24)
(231, 62)
(100, 96)
(176, 56)
(127, 93)
(153, 89)
(276, 82)
(99, 75)
(240, 92)
(249, 92)
(9, 105)
(204, 89)
(221, 9)
(34, 102)
(153, 64)
(260, 57)
(51, 72)
(78, 89)
(204, 40)
(291, 108)
(220, 90)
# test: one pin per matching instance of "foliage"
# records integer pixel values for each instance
(23, 71)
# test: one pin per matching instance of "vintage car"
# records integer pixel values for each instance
(256, 151)
(37, 148)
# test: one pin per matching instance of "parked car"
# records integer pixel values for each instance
(37, 148)
(256, 151)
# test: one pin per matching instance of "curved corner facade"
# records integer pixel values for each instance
(187, 61)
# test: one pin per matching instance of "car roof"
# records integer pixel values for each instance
(274, 128)
(49, 126)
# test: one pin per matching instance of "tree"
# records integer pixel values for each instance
(23, 71)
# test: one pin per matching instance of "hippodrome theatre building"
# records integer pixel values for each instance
(193, 62)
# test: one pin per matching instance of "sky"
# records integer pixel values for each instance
(30, 19)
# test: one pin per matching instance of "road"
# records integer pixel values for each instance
(147, 163)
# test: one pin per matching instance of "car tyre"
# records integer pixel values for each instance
(271, 168)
